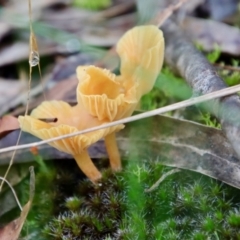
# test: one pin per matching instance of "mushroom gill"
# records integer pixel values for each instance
(69, 120)
(109, 97)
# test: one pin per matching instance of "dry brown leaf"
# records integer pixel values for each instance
(8, 123)
(12, 230)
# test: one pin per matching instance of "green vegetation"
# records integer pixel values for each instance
(185, 205)
(92, 4)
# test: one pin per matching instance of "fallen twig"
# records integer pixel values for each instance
(182, 56)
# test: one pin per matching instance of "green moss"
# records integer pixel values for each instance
(209, 225)
(209, 120)
(234, 219)
(231, 78)
(186, 205)
(214, 55)
(199, 236)
(93, 213)
(73, 203)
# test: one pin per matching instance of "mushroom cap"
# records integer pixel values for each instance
(105, 95)
(69, 120)
(141, 50)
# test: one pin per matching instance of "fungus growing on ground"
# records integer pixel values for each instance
(141, 51)
(69, 120)
(102, 97)
(109, 97)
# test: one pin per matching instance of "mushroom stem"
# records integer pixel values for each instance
(113, 153)
(86, 165)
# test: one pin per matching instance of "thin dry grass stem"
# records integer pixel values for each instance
(175, 106)
(13, 191)
(161, 179)
(34, 58)
(11, 161)
(33, 61)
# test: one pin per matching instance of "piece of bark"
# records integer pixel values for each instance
(183, 57)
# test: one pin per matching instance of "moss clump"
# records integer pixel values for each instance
(94, 212)
(186, 205)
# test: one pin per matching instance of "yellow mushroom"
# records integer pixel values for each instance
(69, 120)
(109, 97)
(141, 50)
(104, 95)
